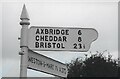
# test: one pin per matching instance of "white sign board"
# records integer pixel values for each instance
(42, 63)
(61, 38)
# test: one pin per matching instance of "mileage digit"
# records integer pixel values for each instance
(75, 46)
(79, 39)
(79, 32)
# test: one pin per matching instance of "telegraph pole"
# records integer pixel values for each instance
(24, 42)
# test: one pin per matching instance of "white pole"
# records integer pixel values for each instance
(23, 42)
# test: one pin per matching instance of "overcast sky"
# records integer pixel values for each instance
(100, 15)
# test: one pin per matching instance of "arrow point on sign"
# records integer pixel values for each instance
(24, 14)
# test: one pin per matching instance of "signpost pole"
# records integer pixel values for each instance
(23, 42)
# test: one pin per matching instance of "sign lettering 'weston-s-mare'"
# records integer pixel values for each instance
(42, 63)
(61, 38)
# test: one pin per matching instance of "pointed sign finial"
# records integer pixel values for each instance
(24, 14)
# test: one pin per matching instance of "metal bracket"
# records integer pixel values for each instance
(19, 38)
(21, 53)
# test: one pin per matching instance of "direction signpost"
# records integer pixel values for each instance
(61, 38)
(45, 64)
(50, 39)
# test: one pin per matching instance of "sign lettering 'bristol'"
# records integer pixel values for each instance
(42, 63)
(61, 38)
